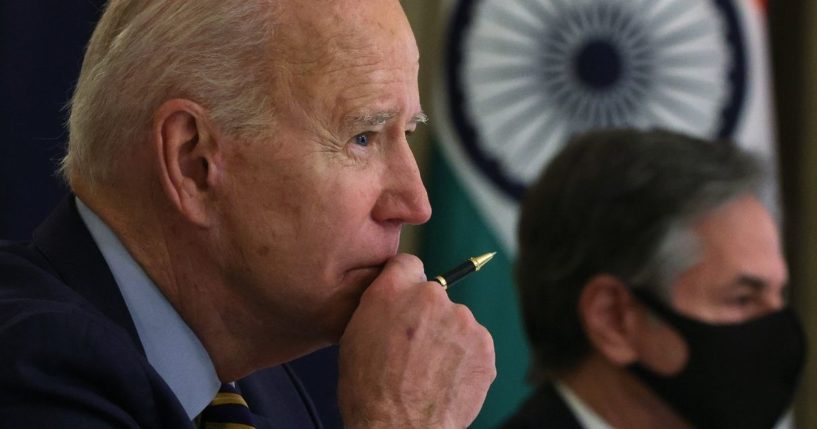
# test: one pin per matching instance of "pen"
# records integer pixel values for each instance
(457, 273)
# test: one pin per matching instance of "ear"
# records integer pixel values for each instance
(188, 156)
(608, 314)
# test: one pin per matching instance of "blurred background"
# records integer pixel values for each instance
(505, 83)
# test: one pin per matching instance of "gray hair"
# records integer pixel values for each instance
(680, 247)
(623, 203)
(144, 52)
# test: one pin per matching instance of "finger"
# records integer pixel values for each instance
(401, 271)
(409, 264)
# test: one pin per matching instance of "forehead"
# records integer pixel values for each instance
(742, 234)
(331, 34)
(345, 51)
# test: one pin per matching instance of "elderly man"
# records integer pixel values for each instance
(241, 174)
(652, 285)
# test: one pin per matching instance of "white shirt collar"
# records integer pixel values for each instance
(170, 345)
(586, 416)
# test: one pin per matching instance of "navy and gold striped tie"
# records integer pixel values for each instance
(227, 411)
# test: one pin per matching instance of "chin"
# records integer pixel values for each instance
(344, 303)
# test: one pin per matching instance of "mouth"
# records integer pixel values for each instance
(359, 271)
(365, 274)
(361, 276)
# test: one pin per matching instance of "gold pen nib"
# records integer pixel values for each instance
(481, 260)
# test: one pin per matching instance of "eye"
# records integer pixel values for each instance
(742, 301)
(361, 139)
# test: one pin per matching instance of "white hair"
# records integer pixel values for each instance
(681, 247)
(679, 250)
(216, 53)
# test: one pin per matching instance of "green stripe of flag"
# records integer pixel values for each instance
(455, 232)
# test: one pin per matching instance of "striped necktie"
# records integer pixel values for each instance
(228, 410)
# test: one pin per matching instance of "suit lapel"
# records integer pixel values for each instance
(65, 243)
(560, 414)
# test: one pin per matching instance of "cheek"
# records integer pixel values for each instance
(662, 349)
(312, 203)
(331, 209)
(350, 192)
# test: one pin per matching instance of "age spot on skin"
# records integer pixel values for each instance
(264, 250)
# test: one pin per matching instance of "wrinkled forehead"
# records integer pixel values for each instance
(326, 32)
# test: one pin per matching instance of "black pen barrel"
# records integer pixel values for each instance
(458, 272)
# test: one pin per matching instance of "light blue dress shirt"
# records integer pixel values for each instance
(170, 345)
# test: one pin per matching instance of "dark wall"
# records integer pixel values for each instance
(41, 45)
(787, 22)
(792, 48)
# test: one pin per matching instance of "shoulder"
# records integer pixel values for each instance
(25, 274)
(543, 409)
(64, 364)
(32, 298)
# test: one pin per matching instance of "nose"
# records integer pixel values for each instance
(404, 198)
(774, 301)
(775, 294)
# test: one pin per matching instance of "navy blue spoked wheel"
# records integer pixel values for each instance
(524, 75)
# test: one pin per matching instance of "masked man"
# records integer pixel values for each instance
(652, 284)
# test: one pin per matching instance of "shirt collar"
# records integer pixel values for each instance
(586, 416)
(170, 345)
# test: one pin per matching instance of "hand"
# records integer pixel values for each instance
(411, 358)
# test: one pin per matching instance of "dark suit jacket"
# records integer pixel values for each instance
(545, 409)
(70, 356)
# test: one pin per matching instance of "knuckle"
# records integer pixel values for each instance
(464, 316)
(489, 350)
(489, 357)
(432, 296)
(491, 373)
(486, 342)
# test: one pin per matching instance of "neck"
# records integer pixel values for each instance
(178, 260)
(618, 397)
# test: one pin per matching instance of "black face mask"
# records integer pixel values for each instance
(737, 375)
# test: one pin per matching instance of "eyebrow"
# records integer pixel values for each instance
(380, 118)
(372, 120)
(754, 283)
(758, 285)
(420, 118)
